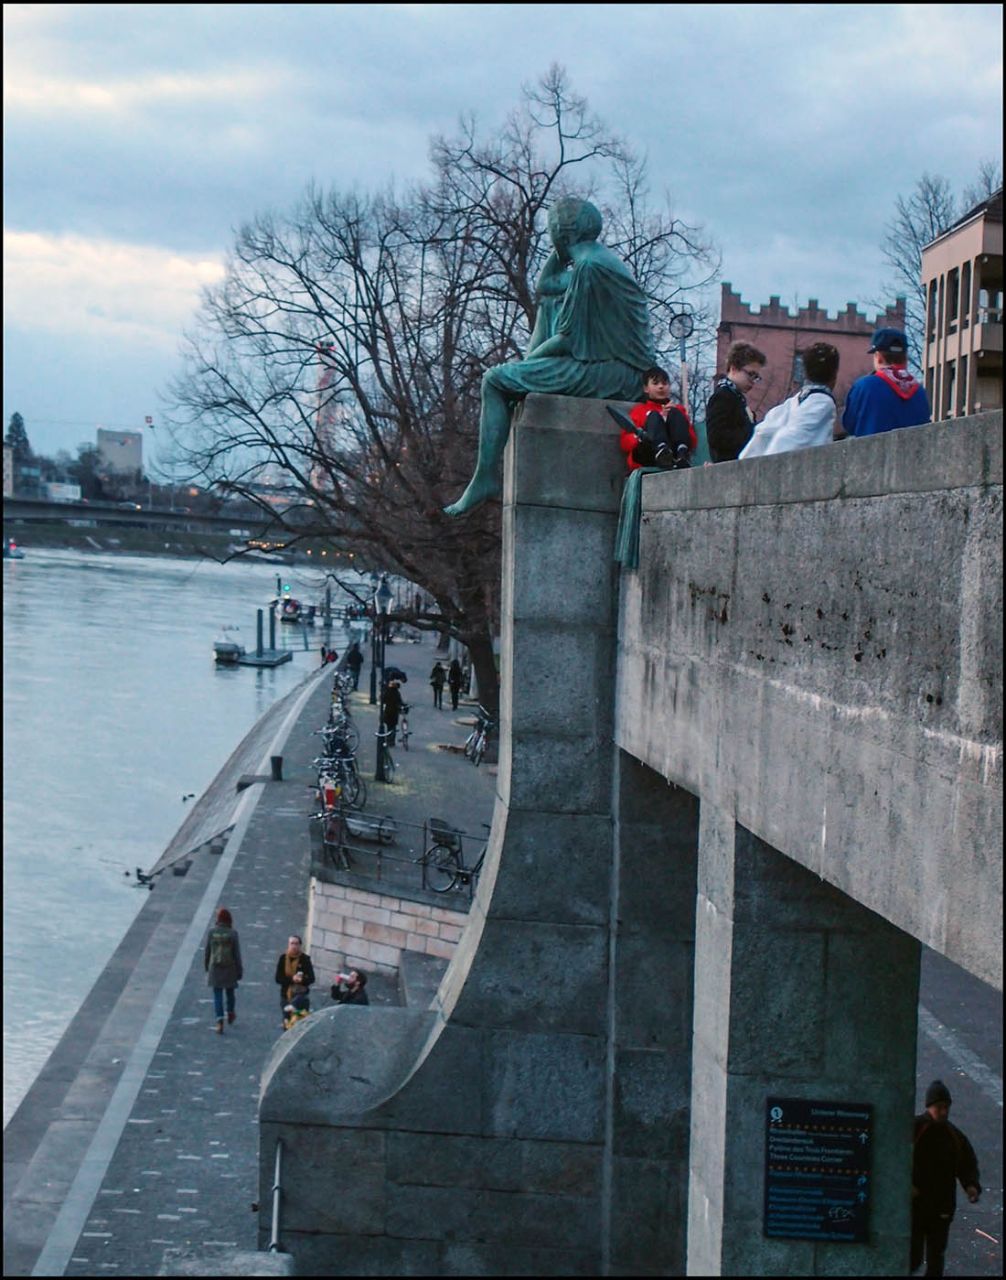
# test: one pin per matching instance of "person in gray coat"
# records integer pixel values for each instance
(222, 962)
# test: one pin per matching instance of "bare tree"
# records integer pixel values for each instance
(341, 357)
(929, 211)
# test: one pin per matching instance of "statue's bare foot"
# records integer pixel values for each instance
(480, 488)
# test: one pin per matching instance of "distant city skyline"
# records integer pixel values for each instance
(139, 137)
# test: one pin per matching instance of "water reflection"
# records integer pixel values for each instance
(113, 711)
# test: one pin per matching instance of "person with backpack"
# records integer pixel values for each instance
(806, 419)
(222, 962)
(941, 1157)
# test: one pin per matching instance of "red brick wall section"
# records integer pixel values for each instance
(348, 927)
(778, 332)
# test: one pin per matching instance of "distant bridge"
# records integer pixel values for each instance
(42, 511)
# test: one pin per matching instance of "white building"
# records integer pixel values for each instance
(8, 471)
(121, 451)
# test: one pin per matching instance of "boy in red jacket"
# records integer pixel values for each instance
(656, 433)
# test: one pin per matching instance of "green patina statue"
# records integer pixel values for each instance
(591, 338)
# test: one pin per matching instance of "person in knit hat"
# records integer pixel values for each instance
(942, 1157)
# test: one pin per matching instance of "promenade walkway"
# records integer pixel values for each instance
(141, 1133)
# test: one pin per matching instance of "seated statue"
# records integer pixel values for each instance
(591, 338)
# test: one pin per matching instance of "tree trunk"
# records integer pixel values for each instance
(484, 661)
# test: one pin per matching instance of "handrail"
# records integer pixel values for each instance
(276, 1190)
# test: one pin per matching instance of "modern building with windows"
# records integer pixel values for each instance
(121, 451)
(962, 271)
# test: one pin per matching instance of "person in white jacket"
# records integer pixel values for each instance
(806, 419)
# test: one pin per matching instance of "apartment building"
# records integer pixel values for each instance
(962, 271)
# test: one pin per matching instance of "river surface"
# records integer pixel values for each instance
(113, 711)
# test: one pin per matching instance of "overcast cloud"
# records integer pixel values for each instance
(138, 137)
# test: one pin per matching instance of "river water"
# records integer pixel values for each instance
(113, 711)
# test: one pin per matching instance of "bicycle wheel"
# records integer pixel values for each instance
(389, 766)
(470, 743)
(357, 792)
(403, 733)
(479, 750)
(442, 867)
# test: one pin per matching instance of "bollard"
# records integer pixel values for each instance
(258, 649)
(272, 628)
(277, 768)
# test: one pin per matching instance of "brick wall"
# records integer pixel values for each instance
(353, 927)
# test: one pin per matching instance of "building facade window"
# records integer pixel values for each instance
(931, 312)
(949, 377)
(965, 295)
(953, 298)
(798, 371)
(962, 388)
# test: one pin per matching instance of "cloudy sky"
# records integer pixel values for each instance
(138, 137)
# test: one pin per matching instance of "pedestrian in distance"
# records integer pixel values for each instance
(438, 678)
(392, 708)
(354, 661)
(806, 419)
(454, 678)
(222, 962)
(350, 988)
(941, 1157)
(293, 961)
(729, 421)
(299, 1004)
(889, 397)
(324, 655)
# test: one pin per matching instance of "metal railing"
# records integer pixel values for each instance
(366, 837)
(276, 1193)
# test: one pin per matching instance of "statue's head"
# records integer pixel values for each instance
(571, 221)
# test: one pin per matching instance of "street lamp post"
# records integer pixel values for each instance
(382, 599)
(373, 639)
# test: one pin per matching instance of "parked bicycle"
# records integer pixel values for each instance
(403, 726)
(443, 860)
(387, 760)
(478, 739)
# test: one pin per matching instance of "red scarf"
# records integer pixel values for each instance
(898, 379)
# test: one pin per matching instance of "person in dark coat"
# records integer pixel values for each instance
(392, 708)
(729, 421)
(222, 962)
(350, 988)
(941, 1157)
(454, 682)
(293, 960)
(354, 660)
(438, 678)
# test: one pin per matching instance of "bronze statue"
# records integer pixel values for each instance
(591, 338)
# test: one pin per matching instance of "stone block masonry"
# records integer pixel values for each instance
(349, 928)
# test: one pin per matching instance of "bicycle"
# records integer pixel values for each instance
(333, 835)
(403, 726)
(443, 862)
(478, 739)
(387, 760)
(483, 719)
(341, 772)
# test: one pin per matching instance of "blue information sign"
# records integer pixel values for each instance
(817, 1169)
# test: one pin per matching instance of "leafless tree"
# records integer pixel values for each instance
(341, 357)
(926, 213)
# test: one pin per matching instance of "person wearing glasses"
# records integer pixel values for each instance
(729, 421)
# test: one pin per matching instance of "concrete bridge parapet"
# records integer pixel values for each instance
(703, 882)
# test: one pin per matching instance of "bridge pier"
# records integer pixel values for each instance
(800, 992)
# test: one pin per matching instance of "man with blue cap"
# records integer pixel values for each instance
(890, 396)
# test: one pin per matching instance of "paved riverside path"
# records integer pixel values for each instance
(141, 1132)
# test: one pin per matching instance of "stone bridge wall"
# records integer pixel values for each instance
(814, 643)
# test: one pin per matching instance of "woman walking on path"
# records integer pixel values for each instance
(438, 678)
(222, 962)
(454, 681)
(292, 961)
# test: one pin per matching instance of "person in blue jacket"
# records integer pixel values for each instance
(890, 396)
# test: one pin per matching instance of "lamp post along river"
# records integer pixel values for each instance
(382, 600)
